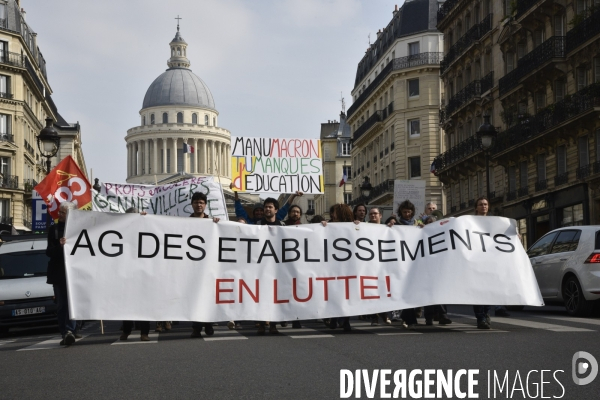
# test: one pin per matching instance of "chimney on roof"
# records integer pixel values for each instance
(378, 33)
(395, 10)
(23, 13)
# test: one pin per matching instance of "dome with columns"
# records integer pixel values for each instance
(178, 113)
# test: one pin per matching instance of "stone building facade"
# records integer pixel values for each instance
(534, 67)
(395, 112)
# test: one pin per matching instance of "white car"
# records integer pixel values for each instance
(566, 263)
(25, 297)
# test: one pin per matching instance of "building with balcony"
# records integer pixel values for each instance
(336, 147)
(539, 63)
(25, 102)
(394, 117)
(178, 111)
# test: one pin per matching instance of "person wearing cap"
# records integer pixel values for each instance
(258, 211)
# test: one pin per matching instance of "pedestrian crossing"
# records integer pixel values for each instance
(462, 323)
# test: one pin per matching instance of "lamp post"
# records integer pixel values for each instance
(48, 142)
(487, 133)
(365, 188)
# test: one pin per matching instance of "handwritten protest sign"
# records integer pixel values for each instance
(413, 190)
(172, 199)
(136, 267)
(276, 165)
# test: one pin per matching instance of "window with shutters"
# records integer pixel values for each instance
(413, 49)
(559, 90)
(559, 29)
(540, 100)
(561, 159)
(512, 178)
(582, 148)
(541, 167)
(523, 174)
(581, 78)
(596, 69)
(597, 137)
(521, 50)
(510, 62)
(538, 38)
(580, 6)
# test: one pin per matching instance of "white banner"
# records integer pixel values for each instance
(172, 199)
(134, 267)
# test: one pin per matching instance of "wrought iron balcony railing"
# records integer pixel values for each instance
(523, 6)
(475, 33)
(15, 59)
(384, 187)
(511, 195)
(7, 137)
(584, 31)
(551, 48)
(583, 171)
(29, 148)
(6, 220)
(541, 185)
(378, 116)
(394, 65)
(548, 118)
(561, 179)
(457, 153)
(6, 95)
(471, 91)
(29, 184)
(9, 181)
(524, 191)
(445, 9)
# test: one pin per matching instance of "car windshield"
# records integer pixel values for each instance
(23, 264)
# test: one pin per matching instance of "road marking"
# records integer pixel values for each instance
(486, 331)
(49, 344)
(152, 336)
(532, 324)
(6, 342)
(212, 339)
(589, 321)
(310, 336)
(399, 333)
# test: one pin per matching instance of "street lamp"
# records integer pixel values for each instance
(487, 133)
(48, 142)
(365, 188)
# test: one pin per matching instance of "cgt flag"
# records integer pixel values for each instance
(65, 182)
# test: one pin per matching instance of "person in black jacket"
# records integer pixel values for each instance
(56, 275)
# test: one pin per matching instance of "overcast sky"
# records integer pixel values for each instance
(275, 67)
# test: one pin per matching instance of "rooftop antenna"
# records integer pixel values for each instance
(178, 22)
(369, 36)
(343, 103)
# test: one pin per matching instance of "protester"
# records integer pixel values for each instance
(144, 326)
(56, 274)
(317, 219)
(374, 216)
(270, 206)
(429, 209)
(241, 220)
(482, 312)
(258, 212)
(294, 215)
(341, 213)
(360, 212)
(199, 201)
(406, 216)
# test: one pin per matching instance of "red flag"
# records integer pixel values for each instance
(65, 182)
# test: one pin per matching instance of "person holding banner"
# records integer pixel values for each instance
(294, 215)
(56, 275)
(199, 201)
(360, 212)
(341, 213)
(271, 206)
(258, 212)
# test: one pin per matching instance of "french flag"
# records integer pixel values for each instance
(187, 148)
(344, 179)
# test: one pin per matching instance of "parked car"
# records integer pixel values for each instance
(25, 297)
(566, 262)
